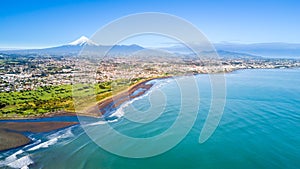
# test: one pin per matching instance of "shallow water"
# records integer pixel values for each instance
(259, 129)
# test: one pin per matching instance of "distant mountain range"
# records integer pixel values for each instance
(274, 50)
(85, 46)
(269, 50)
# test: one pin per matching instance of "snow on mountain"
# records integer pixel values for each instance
(83, 41)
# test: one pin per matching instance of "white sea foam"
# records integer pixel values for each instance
(120, 111)
(53, 138)
(97, 123)
(33, 144)
(44, 144)
(101, 122)
(112, 121)
(20, 159)
(22, 162)
(13, 161)
(11, 158)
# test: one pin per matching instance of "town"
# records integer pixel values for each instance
(27, 72)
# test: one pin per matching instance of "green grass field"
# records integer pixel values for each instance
(54, 98)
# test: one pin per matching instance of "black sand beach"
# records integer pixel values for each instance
(11, 132)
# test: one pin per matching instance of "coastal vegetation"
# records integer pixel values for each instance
(26, 103)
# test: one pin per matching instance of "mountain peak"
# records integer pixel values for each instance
(83, 41)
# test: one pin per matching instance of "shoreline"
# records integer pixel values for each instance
(12, 133)
(107, 104)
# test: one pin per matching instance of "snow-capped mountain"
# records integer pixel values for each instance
(82, 45)
(83, 41)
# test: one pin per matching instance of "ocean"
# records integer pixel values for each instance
(259, 128)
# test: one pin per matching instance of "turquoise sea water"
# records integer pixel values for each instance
(260, 128)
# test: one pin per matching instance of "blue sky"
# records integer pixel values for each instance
(36, 23)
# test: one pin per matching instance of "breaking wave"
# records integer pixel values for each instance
(120, 111)
(14, 162)
(22, 159)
